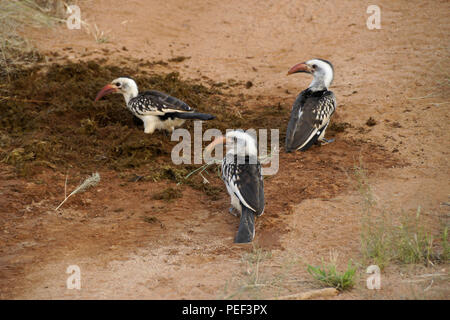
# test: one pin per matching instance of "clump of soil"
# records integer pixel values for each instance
(338, 126)
(371, 122)
(168, 194)
(178, 59)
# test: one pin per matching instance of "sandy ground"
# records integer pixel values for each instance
(398, 75)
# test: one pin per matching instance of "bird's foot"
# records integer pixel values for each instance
(324, 141)
(232, 211)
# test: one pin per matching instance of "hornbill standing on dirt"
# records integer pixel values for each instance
(313, 107)
(156, 109)
(241, 173)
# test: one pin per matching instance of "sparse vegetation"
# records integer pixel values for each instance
(252, 262)
(251, 282)
(401, 237)
(328, 275)
(376, 240)
(14, 48)
(98, 35)
(414, 244)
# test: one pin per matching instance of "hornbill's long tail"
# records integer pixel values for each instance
(246, 229)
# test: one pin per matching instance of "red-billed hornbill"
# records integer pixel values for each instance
(241, 173)
(156, 109)
(313, 107)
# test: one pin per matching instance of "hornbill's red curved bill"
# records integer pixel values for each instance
(241, 173)
(313, 107)
(156, 109)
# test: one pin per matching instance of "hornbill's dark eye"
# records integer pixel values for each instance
(117, 84)
(314, 66)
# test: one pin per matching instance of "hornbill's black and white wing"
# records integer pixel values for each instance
(156, 103)
(246, 182)
(310, 116)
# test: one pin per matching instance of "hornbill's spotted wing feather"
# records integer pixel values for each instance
(157, 103)
(310, 116)
(246, 182)
(166, 107)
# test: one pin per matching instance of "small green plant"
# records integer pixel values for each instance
(329, 276)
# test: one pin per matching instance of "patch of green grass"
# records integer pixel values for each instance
(329, 276)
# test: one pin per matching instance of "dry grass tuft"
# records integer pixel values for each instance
(14, 15)
(88, 183)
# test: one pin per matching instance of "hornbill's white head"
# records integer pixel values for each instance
(125, 86)
(322, 70)
(238, 143)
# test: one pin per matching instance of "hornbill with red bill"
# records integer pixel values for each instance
(157, 110)
(241, 173)
(313, 107)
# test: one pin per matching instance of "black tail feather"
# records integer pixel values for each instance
(246, 229)
(191, 115)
